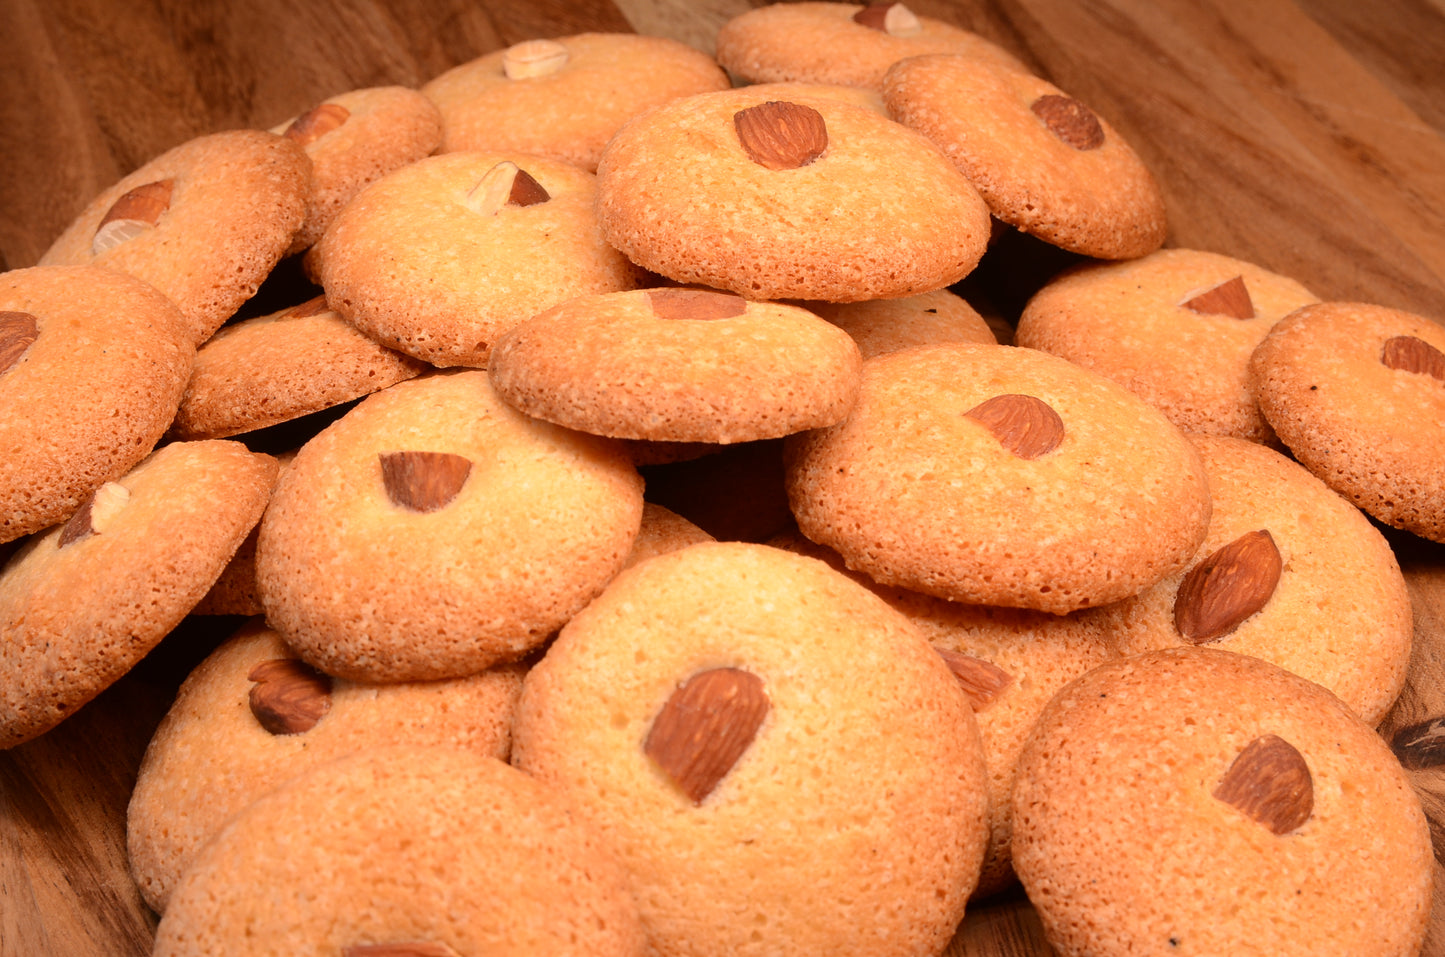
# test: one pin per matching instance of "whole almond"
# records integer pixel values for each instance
(1070, 120)
(289, 696)
(132, 214)
(780, 135)
(18, 330)
(983, 681)
(94, 514)
(316, 123)
(1270, 782)
(1219, 593)
(423, 481)
(1410, 354)
(533, 58)
(505, 184)
(1229, 298)
(705, 726)
(415, 948)
(891, 18)
(1026, 426)
(695, 304)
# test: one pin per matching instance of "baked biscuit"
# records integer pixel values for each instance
(889, 325)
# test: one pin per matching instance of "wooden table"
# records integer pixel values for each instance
(1305, 135)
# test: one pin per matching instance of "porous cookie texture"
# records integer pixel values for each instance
(1044, 162)
(564, 98)
(252, 716)
(487, 253)
(678, 365)
(83, 602)
(434, 531)
(1323, 597)
(1176, 328)
(1194, 801)
(92, 365)
(1001, 476)
(806, 199)
(203, 222)
(1357, 393)
(353, 139)
(890, 325)
(281, 366)
(826, 43)
(404, 850)
(844, 811)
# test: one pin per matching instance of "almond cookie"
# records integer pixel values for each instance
(788, 199)
(678, 365)
(83, 602)
(492, 239)
(1044, 162)
(1195, 801)
(203, 222)
(1176, 328)
(433, 531)
(1000, 476)
(404, 850)
(274, 368)
(1357, 393)
(890, 325)
(92, 366)
(565, 98)
(354, 138)
(781, 762)
(252, 716)
(841, 43)
(1290, 572)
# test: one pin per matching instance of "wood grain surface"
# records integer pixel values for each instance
(1305, 135)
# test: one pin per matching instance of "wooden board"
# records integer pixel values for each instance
(1305, 135)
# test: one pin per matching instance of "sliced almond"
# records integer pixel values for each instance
(533, 58)
(423, 481)
(414, 948)
(983, 681)
(695, 304)
(18, 330)
(704, 728)
(95, 514)
(1270, 781)
(1410, 354)
(526, 191)
(289, 695)
(892, 18)
(502, 185)
(316, 123)
(1219, 593)
(1229, 298)
(1026, 426)
(781, 135)
(1420, 745)
(132, 214)
(309, 308)
(1070, 120)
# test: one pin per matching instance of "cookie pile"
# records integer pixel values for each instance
(665, 558)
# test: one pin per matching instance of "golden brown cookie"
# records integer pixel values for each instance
(888, 325)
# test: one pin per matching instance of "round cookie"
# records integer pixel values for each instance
(278, 367)
(203, 222)
(1357, 393)
(1320, 594)
(564, 98)
(404, 850)
(127, 347)
(353, 139)
(440, 257)
(433, 531)
(840, 749)
(866, 97)
(1000, 476)
(252, 716)
(890, 325)
(1044, 162)
(840, 43)
(677, 365)
(83, 602)
(1194, 801)
(663, 531)
(1176, 328)
(787, 199)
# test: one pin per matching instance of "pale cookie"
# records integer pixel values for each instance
(1176, 328)
(890, 325)
(719, 714)
(564, 98)
(424, 852)
(1194, 801)
(1002, 476)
